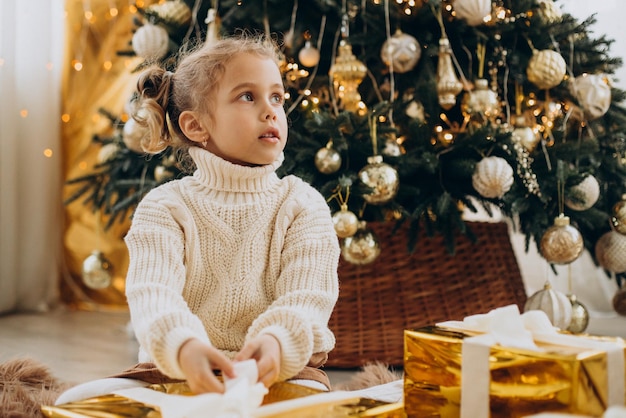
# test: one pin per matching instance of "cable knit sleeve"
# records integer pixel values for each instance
(155, 281)
(307, 287)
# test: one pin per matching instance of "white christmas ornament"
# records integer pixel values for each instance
(555, 304)
(473, 11)
(593, 93)
(587, 193)
(309, 56)
(546, 69)
(493, 177)
(151, 42)
(401, 52)
(611, 251)
(175, 13)
(133, 135)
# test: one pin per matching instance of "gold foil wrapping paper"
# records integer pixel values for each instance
(114, 406)
(522, 382)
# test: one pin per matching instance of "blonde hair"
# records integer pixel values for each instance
(162, 95)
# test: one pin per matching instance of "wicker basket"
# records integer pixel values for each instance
(399, 291)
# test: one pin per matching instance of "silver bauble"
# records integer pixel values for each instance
(555, 304)
(401, 52)
(580, 316)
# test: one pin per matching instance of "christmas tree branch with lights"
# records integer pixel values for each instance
(417, 111)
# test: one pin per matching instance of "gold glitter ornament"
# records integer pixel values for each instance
(618, 220)
(586, 194)
(593, 93)
(151, 42)
(492, 177)
(448, 85)
(561, 243)
(362, 247)
(524, 134)
(347, 73)
(345, 222)
(473, 12)
(327, 159)
(549, 11)
(481, 104)
(401, 52)
(173, 13)
(97, 272)
(580, 316)
(381, 178)
(555, 304)
(546, 69)
(619, 301)
(610, 252)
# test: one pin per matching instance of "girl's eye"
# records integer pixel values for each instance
(246, 96)
(277, 98)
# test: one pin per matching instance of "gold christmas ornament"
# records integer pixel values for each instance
(345, 222)
(381, 178)
(151, 42)
(174, 13)
(580, 316)
(309, 56)
(593, 93)
(362, 247)
(555, 304)
(448, 85)
(619, 301)
(401, 52)
(546, 69)
(97, 271)
(493, 177)
(474, 12)
(610, 252)
(549, 11)
(583, 195)
(133, 135)
(561, 243)
(347, 73)
(481, 104)
(107, 152)
(618, 220)
(524, 135)
(327, 159)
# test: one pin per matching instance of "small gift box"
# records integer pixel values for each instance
(504, 364)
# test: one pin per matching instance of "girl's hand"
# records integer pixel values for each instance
(198, 360)
(265, 349)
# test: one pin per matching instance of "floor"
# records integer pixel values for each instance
(78, 346)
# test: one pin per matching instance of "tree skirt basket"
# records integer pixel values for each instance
(402, 290)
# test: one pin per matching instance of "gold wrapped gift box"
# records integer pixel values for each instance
(115, 406)
(522, 382)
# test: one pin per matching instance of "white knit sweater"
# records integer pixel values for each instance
(227, 254)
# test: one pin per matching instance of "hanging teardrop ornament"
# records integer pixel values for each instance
(580, 316)
(448, 85)
(347, 73)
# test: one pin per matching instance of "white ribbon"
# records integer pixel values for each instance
(507, 327)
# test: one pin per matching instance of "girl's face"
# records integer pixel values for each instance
(249, 126)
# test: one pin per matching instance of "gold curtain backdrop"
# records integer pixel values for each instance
(95, 76)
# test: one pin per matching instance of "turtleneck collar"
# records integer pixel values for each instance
(220, 175)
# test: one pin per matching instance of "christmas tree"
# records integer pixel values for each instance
(416, 111)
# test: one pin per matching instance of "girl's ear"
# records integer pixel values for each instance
(191, 127)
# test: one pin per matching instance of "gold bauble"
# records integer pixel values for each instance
(524, 134)
(549, 11)
(401, 52)
(561, 243)
(151, 42)
(593, 93)
(583, 195)
(362, 247)
(618, 219)
(619, 301)
(610, 252)
(546, 69)
(580, 316)
(345, 222)
(97, 271)
(555, 304)
(381, 178)
(473, 12)
(327, 160)
(481, 104)
(492, 177)
(347, 72)
(174, 13)
(448, 85)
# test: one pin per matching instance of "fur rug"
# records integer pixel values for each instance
(26, 384)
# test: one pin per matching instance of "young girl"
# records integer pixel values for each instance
(233, 262)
